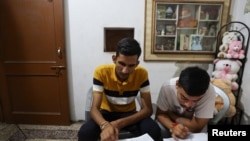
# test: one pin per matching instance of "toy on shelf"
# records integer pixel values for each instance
(227, 69)
(231, 52)
(225, 86)
(235, 50)
(227, 38)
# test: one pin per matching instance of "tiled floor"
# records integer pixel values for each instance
(24, 132)
(7, 130)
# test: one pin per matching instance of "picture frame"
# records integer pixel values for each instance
(184, 42)
(195, 42)
(154, 50)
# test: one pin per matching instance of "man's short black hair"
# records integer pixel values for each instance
(128, 47)
(194, 80)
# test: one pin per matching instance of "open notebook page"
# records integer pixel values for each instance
(192, 137)
(144, 137)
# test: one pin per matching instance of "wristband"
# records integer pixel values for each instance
(173, 125)
(103, 125)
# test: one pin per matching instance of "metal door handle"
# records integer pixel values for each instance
(59, 52)
(59, 68)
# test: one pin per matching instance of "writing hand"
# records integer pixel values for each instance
(180, 131)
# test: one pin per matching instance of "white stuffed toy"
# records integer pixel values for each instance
(227, 38)
(223, 51)
(227, 69)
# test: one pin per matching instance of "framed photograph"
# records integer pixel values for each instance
(184, 42)
(195, 43)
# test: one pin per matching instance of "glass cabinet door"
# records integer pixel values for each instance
(183, 30)
(185, 27)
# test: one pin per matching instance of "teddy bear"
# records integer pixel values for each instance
(235, 50)
(226, 40)
(227, 69)
(225, 86)
(222, 51)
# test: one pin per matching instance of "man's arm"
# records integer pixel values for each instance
(145, 111)
(95, 108)
(109, 132)
(167, 118)
(195, 125)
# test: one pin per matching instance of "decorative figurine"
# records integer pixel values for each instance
(169, 12)
(162, 31)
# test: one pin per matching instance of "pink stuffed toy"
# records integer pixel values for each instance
(235, 50)
(227, 38)
(227, 69)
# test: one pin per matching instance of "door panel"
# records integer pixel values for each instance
(33, 62)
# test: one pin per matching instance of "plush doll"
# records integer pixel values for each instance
(227, 69)
(235, 50)
(225, 86)
(227, 38)
(223, 51)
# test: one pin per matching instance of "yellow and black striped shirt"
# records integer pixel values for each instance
(119, 96)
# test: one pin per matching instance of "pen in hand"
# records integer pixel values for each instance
(180, 131)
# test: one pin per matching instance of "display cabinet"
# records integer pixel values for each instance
(183, 30)
(186, 26)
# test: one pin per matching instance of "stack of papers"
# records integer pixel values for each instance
(144, 137)
(192, 137)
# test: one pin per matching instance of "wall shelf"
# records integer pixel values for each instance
(183, 30)
(243, 32)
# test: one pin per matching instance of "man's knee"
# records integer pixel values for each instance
(89, 132)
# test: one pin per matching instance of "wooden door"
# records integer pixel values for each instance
(33, 71)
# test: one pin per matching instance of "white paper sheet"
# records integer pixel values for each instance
(192, 137)
(144, 137)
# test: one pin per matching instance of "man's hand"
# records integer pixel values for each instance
(180, 131)
(109, 133)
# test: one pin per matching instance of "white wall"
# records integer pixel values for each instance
(85, 21)
(238, 14)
